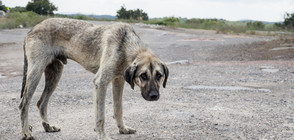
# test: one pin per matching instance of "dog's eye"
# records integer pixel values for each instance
(158, 76)
(143, 76)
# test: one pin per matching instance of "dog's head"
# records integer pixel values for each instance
(148, 73)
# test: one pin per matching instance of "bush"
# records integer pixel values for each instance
(82, 17)
(18, 9)
(168, 21)
(157, 22)
(26, 19)
(277, 26)
(213, 24)
(257, 25)
(171, 21)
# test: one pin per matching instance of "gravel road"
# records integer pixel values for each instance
(221, 86)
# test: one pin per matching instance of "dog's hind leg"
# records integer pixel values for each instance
(52, 75)
(117, 90)
(34, 73)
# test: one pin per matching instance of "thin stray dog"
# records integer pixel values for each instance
(114, 53)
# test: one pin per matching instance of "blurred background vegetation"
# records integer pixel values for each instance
(224, 26)
(38, 10)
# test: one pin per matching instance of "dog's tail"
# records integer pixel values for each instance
(25, 69)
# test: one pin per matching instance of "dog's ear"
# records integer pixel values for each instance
(166, 73)
(129, 75)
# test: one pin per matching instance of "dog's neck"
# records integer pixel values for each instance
(136, 53)
(136, 49)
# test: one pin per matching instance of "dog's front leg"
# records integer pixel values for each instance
(117, 89)
(99, 97)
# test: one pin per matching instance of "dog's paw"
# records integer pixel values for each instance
(28, 135)
(49, 128)
(127, 130)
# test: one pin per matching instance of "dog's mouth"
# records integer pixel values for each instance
(152, 96)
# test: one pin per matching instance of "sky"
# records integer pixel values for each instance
(262, 10)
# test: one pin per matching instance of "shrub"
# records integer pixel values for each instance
(157, 22)
(171, 21)
(213, 24)
(18, 9)
(82, 17)
(277, 26)
(26, 19)
(257, 25)
(167, 21)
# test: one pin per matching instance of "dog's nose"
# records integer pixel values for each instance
(154, 96)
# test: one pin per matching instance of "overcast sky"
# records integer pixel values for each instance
(265, 10)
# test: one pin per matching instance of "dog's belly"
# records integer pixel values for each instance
(89, 63)
(86, 54)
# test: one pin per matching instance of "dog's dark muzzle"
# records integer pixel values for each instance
(152, 96)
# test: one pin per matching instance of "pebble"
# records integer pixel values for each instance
(269, 69)
(178, 62)
(282, 48)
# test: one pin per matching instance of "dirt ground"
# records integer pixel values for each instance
(221, 86)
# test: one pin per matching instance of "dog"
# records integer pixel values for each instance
(114, 53)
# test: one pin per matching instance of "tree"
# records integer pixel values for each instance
(42, 7)
(2, 7)
(289, 21)
(137, 14)
(122, 13)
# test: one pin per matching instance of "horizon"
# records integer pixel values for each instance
(231, 10)
(176, 17)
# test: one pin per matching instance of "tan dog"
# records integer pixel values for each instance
(114, 53)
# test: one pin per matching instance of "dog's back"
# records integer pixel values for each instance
(58, 28)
